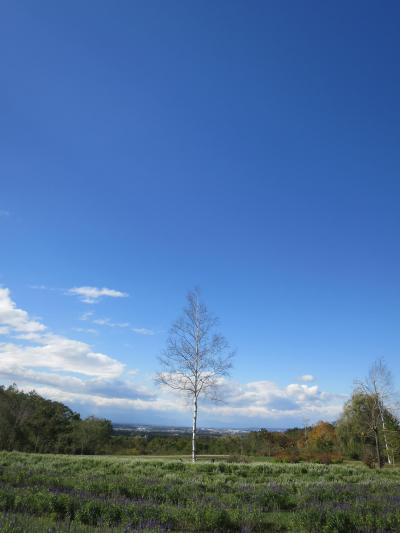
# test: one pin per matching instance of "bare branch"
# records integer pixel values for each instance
(196, 357)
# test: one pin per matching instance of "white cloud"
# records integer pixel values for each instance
(107, 388)
(60, 354)
(91, 295)
(45, 349)
(261, 403)
(266, 400)
(99, 401)
(307, 378)
(12, 318)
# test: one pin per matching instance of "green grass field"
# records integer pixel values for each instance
(50, 493)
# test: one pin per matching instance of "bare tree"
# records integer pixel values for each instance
(378, 387)
(196, 357)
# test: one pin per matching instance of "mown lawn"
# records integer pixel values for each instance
(77, 494)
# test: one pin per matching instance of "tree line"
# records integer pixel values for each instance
(348, 438)
(31, 423)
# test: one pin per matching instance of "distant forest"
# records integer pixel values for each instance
(31, 423)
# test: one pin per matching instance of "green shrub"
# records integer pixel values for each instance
(369, 460)
(324, 458)
(288, 456)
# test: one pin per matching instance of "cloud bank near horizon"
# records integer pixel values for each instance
(73, 372)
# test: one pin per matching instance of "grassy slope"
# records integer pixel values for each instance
(39, 492)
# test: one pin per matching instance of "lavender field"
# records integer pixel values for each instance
(64, 493)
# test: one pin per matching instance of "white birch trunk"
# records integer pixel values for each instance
(384, 435)
(194, 429)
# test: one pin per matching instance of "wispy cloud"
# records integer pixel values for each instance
(109, 323)
(92, 331)
(143, 331)
(122, 325)
(91, 295)
(4, 213)
(86, 316)
(307, 378)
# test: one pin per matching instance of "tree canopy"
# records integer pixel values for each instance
(31, 423)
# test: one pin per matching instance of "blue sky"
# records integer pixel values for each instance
(248, 148)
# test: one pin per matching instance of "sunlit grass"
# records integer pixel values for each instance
(107, 493)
